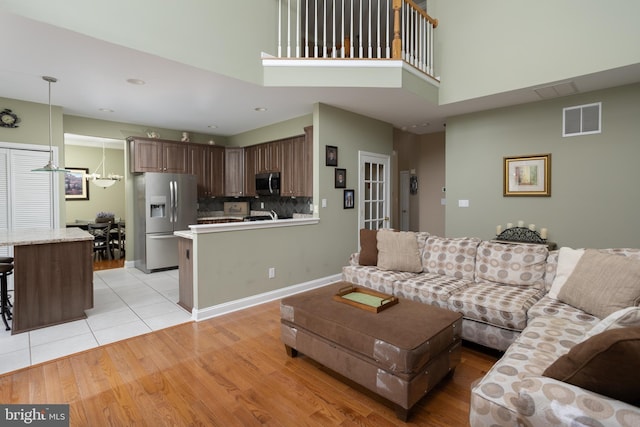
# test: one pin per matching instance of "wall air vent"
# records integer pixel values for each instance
(556, 90)
(582, 119)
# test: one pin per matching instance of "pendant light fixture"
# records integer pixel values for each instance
(50, 166)
(103, 180)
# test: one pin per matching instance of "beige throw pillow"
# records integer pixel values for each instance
(602, 283)
(567, 260)
(398, 251)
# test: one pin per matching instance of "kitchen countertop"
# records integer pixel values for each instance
(36, 236)
(243, 226)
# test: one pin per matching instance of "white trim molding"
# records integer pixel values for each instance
(241, 304)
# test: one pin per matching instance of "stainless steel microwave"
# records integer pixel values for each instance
(268, 184)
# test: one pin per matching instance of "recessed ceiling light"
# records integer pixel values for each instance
(136, 81)
(105, 110)
(260, 109)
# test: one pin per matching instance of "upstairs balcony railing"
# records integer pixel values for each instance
(357, 29)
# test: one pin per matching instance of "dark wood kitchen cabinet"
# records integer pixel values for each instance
(234, 172)
(269, 157)
(216, 176)
(207, 163)
(295, 178)
(154, 155)
(292, 157)
(250, 170)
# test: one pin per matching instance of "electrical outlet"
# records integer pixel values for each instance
(272, 272)
(261, 205)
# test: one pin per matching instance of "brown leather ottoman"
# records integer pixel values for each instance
(400, 353)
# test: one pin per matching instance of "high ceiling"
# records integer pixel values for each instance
(92, 82)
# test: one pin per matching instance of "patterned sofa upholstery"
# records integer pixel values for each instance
(501, 290)
(493, 284)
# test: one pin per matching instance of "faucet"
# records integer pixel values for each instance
(273, 215)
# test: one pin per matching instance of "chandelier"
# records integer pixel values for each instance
(103, 180)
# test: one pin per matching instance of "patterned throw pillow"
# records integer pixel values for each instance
(455, 257)
(519, 264)
(398, 251)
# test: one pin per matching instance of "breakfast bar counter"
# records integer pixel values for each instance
(53, 276)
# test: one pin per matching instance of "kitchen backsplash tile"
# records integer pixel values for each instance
(285, 207)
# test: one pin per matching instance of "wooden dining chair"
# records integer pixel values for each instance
(101, 232)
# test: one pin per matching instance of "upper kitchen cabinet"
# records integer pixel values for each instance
(269, 157)
(153, 155)
(250, 170)
(296, 177)
(234, 172)
(207, 163)
(216, 156)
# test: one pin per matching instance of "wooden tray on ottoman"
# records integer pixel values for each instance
(365, 299)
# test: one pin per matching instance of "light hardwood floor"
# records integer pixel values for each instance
(227, 371)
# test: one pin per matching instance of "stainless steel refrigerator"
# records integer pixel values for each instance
(164, 203)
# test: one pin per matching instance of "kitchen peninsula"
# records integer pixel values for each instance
(53, 276)
(210, 272)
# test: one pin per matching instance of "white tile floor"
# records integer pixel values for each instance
(127, 302)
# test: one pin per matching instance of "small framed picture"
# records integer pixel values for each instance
(75, 186)
(331, 155)
(341, 178)
(527, 175)
(349, 196)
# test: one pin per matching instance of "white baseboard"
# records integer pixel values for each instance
(240, 304)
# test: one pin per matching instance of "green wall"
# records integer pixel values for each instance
(594, 180)
(233, 265)
(34, 129)
(110, 199)
(494, 46)
(271, 133)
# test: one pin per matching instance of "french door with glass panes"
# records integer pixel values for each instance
(374, 191)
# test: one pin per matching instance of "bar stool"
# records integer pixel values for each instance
(7, 260)
(5, 304)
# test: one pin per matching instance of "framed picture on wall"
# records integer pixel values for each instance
(527, 175)
(75, 185)
(331, 156)
(341, 178)
(349, 201)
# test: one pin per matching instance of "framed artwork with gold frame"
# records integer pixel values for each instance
(527, 175)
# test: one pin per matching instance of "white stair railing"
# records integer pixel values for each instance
(355, 29)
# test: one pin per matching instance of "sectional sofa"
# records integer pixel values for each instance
(568, 321)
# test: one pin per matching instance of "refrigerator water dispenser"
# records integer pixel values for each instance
(157, 210)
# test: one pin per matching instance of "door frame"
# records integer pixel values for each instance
(385, 159)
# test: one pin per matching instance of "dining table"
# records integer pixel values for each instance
(117, 231)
